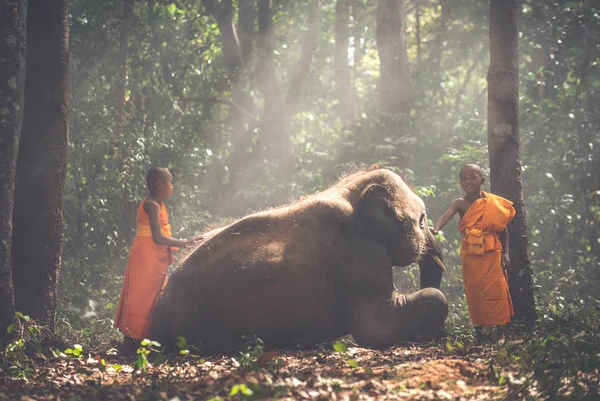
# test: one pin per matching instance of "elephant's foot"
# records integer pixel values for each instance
(397, 318)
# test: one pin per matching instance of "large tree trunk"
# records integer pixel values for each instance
(342, 70)
(41, 162)
(10, 52)
(394, 89)
(503, 146)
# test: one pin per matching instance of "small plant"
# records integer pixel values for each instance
(184, 349)
(76, 351)
(343, 349)
(248, 359)
(15, 351)
(245, 391)
(142, 353)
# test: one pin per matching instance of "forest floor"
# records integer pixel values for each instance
(410, 372)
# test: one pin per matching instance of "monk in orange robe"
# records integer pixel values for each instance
(484, 249)
(150, 256)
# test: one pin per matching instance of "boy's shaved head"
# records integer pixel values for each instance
(474, 167)
(154, 174)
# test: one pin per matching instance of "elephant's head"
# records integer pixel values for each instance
(391, 212)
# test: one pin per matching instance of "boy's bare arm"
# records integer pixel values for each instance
(445, 218)
(153, 210)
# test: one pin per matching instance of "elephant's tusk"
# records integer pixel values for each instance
(439, 262)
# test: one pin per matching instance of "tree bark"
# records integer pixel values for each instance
(246, 20)
(394, 89)
(10, 53)
(342, 69)
(503, 147)
(41, 162)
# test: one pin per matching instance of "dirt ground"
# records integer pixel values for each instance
(403, 372)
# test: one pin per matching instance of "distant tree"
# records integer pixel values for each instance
(342, 69)
(503, 147)
(394, 88)
(41, 162)
(10, 52)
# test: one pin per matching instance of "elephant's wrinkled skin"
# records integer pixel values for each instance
(310, 272)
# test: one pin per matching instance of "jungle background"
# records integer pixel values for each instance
(286, 103)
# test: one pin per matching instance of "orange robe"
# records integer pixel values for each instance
(486, 281)
(145, 277)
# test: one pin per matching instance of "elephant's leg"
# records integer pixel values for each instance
(386, 320)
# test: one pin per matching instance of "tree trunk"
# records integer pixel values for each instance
(124, 206)
(503, 147)
(41, 162)
(222, 11)
(246, 21)
(122, 74)
(274, 142)
(10, 52)
(342, 69)
(393, 59)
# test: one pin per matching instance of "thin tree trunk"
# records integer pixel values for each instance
(418, 34)
(124, 205)
(309, 45)
(10, 52)
(265, 66)
(394, 88)
(222, 11)
(122, 74)
(41, 162)
(342, 69)
(246, 20)
(503, 147)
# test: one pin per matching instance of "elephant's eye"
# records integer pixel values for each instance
(422, 221)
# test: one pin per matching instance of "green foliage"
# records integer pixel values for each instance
(248, 359)
(146, 347)
(342, 349)
(560, 361)
(76, 351)
(15, 354)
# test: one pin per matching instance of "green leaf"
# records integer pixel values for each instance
(180, 342)
(10, 328)
(353, 363)
(26, 318)
(340, 347)
(171, 8)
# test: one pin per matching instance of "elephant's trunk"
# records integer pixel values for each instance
(431, 264)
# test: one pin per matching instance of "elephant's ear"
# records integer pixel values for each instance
(375, 216)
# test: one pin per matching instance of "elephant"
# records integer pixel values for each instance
(311, 272)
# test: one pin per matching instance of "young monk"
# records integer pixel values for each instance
(484, 250)
(148, 261)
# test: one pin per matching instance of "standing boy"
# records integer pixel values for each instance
(148, 261)
(484, 250)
